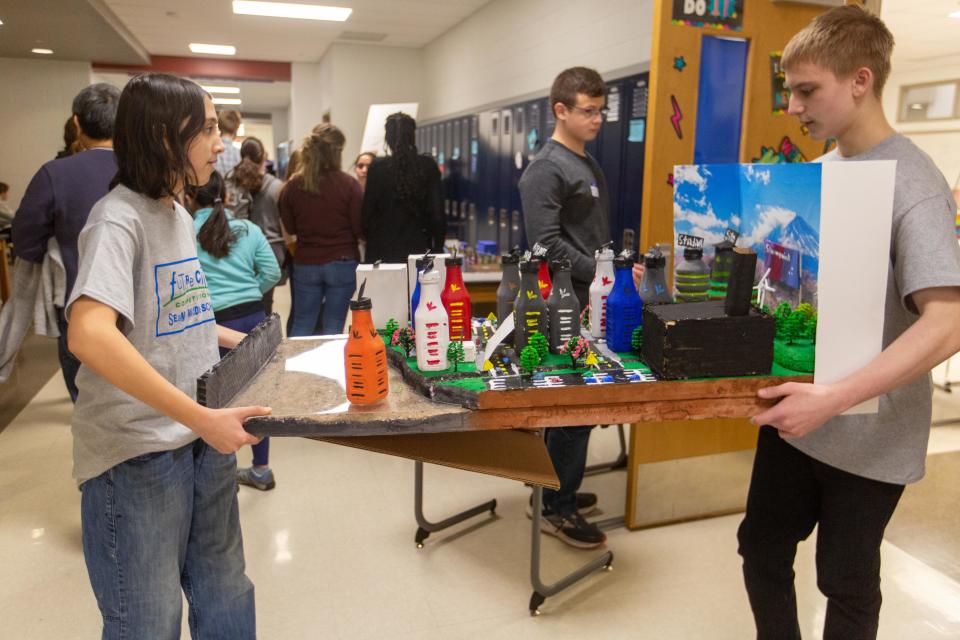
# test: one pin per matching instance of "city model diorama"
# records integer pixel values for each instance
(757, 267)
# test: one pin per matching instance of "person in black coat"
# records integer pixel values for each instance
(402, 205)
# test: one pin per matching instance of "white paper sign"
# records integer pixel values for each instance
(856, 210)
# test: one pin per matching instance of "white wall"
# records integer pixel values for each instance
(311, 88)
(511, 49)
(365, 75)
(939, 138)
(34, 104)
(346, 81)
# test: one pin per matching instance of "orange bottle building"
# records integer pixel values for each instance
(364, 356)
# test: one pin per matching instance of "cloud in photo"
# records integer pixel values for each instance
(691, 174)
(756, 175)
(769, 219)
(707, 219)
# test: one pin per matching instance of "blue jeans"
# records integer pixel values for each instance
(567, 447)
(325, 287)
(159, 523)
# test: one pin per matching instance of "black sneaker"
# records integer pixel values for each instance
(586, 504)
(573, 530)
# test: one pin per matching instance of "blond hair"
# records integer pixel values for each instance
(320, 154)
(843, 40)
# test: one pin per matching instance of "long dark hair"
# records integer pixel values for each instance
(401, 138)
(157, 117)
(215, 236)
(247, 174)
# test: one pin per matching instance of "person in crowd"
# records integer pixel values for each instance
(157, 471)
(61, 194)
(402, 203)
(565, 206)
(71, 142)
(6, 213)
(320, 205)
(239, 265)
(229, 122)
(361, 165)
(815, 466)
(260, 200)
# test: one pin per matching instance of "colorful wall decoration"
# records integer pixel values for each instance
(725, 15)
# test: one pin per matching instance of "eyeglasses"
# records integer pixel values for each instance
(591, 112)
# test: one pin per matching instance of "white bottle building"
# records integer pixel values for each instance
(600, 288)
(432, 329)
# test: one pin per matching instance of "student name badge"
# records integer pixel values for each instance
(594, 190)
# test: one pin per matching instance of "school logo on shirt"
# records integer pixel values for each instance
(183, 300)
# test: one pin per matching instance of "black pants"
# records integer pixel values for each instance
(790, 493)
(567, 447)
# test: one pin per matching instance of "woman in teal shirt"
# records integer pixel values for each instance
(240, 267)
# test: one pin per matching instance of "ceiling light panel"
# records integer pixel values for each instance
(219, 89)
(215, 49)
(218, 100)
(291, 10)
(45, 52)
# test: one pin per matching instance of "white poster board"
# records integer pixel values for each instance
(373, 132)
(855, 222)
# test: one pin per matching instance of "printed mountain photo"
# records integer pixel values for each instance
(773, 209)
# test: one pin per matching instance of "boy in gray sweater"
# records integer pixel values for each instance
(565, 205)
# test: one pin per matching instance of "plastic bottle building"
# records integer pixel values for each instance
(543, 279)
(720, 271)
(415, 297)
(624, 306)
(364, 356)
(539, 252)
(456, 301)
(431, 328)
(530, 309)
(509, 285)
(600, 288)
(653, 287)
(562, 307)
(692, 277)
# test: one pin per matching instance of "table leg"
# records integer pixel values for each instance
(620, 462)
(425, 526)
(541, 591)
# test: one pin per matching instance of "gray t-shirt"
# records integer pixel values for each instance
(891, 446)
(565, 204)
(140, 258)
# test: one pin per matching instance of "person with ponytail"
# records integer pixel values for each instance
(402, 204)
(320, 205)
(156, 470)
(260, 199)
(240, 266)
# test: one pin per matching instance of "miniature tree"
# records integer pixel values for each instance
(539, 342)
(636, 339)
(805, 308)
(591, 360)
(782, 311)
(529, 359)
(793, 326)
(585, 317)
(392, 326)
(809, 331)
(577, 348)
(405, 339)
(455, 353)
